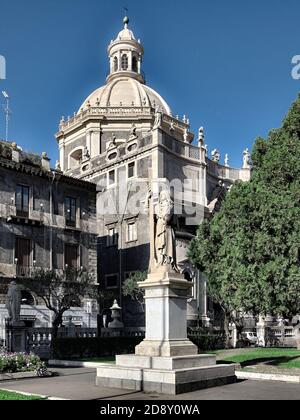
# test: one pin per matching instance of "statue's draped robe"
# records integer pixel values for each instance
(13, 303)
(165, 237)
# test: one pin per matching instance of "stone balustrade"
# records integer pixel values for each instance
(7, 210)
(8, 270)
(126, 332)
(86, 332)
(38, 340)
(107, 112)
(175, 122)
(223, 172)
(284, 336)
(121, 111)
(18, 271)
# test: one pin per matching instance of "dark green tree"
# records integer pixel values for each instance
(250, 250)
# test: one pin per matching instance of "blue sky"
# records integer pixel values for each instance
(225, 64)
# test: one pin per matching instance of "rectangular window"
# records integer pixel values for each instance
(131, 232)
(111, 178)
(112, 281)
(22, 200)
(112, 238)
(131, 170)
(22, 252)
(71, 256)
(70, 211)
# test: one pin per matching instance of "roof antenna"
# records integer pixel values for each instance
(7, 112)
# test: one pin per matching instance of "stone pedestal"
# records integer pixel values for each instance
(16, 337)
(166, 317)
(166, 361)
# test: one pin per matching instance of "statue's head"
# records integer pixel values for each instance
(164, 196)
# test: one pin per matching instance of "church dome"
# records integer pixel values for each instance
(125, 92)
(125, 83)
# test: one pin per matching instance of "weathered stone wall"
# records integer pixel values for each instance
(41, 187)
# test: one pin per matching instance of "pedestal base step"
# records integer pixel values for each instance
(166, 363)
(170, 376)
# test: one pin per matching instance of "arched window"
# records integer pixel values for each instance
(75, 158)
(27, 298)
(116, 64)
(134, 64)
(124, 62)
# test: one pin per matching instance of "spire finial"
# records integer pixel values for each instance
(126, 18)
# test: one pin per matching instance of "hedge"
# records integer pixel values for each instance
(94, 347)
(70, 348)
(207, 342)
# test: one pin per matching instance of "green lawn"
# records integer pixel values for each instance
(5, 395)
(285, 358)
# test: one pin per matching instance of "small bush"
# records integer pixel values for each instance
(208, 341)
(242, 343)
(19, 362)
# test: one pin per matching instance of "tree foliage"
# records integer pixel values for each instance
(130, 287)
(62, 289)
(250, 250)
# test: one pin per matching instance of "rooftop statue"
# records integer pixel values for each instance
(132, 134)
(246, 159)
(158, 118)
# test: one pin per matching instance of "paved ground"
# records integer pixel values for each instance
(79, 384)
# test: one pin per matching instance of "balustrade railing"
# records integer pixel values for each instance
(105, 111)
(281, 336)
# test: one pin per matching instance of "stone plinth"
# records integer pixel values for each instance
(165, 375)
(166, 361)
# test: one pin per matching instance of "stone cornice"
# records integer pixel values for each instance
(36, 171)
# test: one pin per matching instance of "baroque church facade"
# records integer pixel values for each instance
(126, 140)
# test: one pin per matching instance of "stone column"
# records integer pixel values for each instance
(261, 332)
(62, 155)
(119, 61)
(130, 61)
(297, 335)
(234, 335)
(203, 301)
(89, 141)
